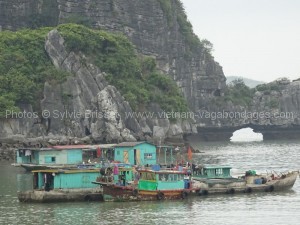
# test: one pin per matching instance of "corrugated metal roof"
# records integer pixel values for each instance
(101, 146)
(70, 146)
(130, 144)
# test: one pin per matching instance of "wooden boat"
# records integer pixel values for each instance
(57, 185)
(212, 179)
(145, 185)
(271, 182)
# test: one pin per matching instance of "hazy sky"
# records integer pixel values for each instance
(258, 39)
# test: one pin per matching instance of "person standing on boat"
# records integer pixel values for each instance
(136, 175)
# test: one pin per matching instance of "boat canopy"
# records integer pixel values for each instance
(212, 171)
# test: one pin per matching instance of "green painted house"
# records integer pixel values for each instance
(135, 153)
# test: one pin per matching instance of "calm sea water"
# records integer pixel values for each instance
(263, 208)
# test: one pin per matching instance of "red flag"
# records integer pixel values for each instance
(189, 153)
(98, 152)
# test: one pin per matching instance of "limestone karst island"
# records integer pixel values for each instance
(121, 101)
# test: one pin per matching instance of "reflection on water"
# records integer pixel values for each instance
(261, 208)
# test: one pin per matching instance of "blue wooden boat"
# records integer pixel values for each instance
(128, 184)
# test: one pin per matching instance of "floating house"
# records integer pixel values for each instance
(135, 153)
(38, 158)
(53, 185)
(68, 154)
(64, 179)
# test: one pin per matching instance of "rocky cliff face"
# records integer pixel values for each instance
(16, 14)
(155, 30)
(281, 111)
(274, 112)
(84, 108)
(99, 107)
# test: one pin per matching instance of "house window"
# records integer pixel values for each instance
(162, 177)
(148, 156)
(175, 177)
(50, 159)
(219, 171)
(147, 176)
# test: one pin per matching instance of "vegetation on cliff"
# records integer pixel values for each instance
(135, 77)
(174, 10)
(237, 93)
(25, 66)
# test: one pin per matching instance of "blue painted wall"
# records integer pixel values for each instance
(70, 156)
(33, 158)
(147, 154)
(75, 180)
(74, 156)
(70, 180)
(170, 181)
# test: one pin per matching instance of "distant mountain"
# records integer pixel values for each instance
(249, 82)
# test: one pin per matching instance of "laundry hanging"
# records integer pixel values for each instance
(28, 153)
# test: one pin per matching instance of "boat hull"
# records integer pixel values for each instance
(220, 186)
(70, 195)
(234, 185)
(281, 184)
(119, 193)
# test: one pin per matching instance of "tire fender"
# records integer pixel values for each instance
(230, 191)
(248, 190)
(203, 192)
(160, 196)
(135, 192)
(184, 195)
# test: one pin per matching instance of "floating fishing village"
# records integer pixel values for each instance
(133, 171)
(161, 112)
